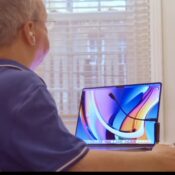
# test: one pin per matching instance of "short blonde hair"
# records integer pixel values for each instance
(14, 13)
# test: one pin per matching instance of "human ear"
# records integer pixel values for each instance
(29, 33)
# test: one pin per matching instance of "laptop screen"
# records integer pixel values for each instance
(119, 114)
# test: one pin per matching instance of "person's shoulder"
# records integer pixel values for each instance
(32, 77)
(26, 77)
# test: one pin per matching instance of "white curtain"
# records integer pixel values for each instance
(95, 43)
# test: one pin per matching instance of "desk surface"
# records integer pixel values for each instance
(161, 158)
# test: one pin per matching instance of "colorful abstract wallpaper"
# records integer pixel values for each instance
(119, 114)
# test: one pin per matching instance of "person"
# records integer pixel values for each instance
(33, 136)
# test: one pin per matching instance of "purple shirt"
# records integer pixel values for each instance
(32, 134)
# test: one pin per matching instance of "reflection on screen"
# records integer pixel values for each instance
(123, 114)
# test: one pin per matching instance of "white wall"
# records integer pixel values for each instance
(168, 22)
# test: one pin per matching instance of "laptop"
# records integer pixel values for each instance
(123, 117)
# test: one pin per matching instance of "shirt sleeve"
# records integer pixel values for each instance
(40, 141)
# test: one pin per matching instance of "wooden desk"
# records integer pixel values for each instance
(161, 158)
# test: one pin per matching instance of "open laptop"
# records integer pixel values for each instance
(121, 117)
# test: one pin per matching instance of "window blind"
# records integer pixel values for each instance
(95, 43)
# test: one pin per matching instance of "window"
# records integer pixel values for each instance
(95, 43)
(83, 6)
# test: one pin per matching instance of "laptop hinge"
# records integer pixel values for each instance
(157, 131)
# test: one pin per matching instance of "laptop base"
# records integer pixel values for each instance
(118, 148)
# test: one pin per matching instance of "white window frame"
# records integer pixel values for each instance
(157, 55)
